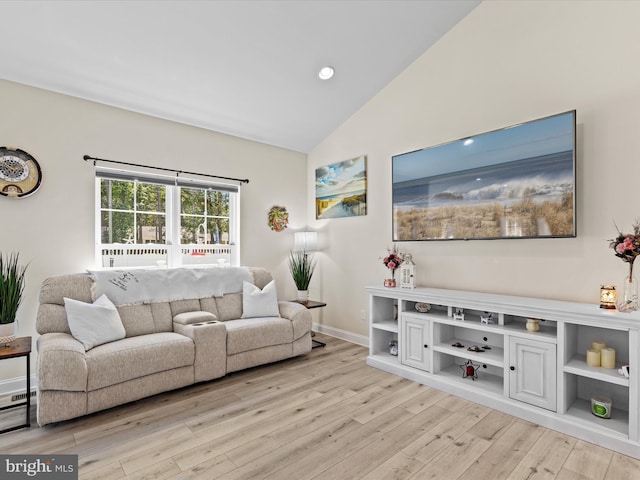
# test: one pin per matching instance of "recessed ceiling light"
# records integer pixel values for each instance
(326, 73)
(468, 141)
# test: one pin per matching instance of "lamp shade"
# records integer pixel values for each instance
(305, 242)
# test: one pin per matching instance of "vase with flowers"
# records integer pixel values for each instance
(392, 261)
(627, 247)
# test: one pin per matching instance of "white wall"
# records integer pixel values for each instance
(505, 63)
(53, 229)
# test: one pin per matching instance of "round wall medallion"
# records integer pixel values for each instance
(20, 173)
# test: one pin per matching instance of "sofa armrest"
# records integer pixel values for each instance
(299, 315)
(61, 363)
(210, 340)
(189, 318)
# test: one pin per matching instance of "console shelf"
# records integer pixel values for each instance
(495, 356)
(541, 376)
(387, 325)
(619, 421)
(578, 366)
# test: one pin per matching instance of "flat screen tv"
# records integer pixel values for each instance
(516, 182)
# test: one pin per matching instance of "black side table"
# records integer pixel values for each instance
(20, 347)
(312, 304)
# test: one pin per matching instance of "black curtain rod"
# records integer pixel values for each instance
(94, 159)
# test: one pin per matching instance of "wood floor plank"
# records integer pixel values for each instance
(382, 405)
(453, 403)
(156, 442)
(112, 471)
(149, 456)
(117, 430)
(302, 448)
(254, 439)
(505, 452)
(455, 459)
(445, 433)
(247, 410)
(589, 460)
(427, 397)
(158, 471)
(622, 467)
(324, 415)
(208, 470)
(399, 467)
(362, 461)
(545, 459)
(492, 426)
(333, 450)
(565, 474)
(318, 449)
(34, 441)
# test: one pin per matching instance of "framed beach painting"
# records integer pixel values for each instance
(341, 189)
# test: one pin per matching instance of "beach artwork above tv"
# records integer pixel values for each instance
(341, 189)
(516, 182)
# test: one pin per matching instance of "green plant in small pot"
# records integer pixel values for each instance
(12, 276)
(301, 267)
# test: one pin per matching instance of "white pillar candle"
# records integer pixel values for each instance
(598, 345)
(608, 358)
(593, 357)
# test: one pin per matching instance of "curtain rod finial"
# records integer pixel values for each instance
(86, 158)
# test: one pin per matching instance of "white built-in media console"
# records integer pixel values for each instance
(477, 346)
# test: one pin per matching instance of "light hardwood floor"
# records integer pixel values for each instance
(323, 415)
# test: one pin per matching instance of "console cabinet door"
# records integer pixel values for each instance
(414, 343)
(532, 372)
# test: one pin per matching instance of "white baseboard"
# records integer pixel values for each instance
(15, 386)
(342, 334)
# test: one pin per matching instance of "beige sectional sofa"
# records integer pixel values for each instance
(167, 345)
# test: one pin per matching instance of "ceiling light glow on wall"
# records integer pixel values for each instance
(326, 73)
(468, 141)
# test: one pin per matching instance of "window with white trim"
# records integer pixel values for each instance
(153, 220)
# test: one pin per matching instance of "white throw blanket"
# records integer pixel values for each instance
(128, 287)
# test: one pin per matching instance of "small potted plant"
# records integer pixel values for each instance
(301, 268)
(12, 276)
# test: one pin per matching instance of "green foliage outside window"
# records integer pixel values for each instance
(204, 216)
(135, 212)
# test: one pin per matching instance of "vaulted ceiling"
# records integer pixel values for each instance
(248, 68)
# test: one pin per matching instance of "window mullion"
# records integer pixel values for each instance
(173, 225)
(135, 211)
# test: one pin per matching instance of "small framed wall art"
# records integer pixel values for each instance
(341, 189)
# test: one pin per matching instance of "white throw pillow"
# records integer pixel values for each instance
(259, 303)
(93, 324)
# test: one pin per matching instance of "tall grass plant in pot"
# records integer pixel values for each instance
(301, 266)
(12, 277)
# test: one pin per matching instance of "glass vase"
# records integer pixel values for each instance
(629, 295)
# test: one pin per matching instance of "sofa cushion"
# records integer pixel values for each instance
(135, 357)
(181, 306)
(229, 307)
(208, 304)
(259, 303)
(137, 319)
(93, 324)
(251, 333)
